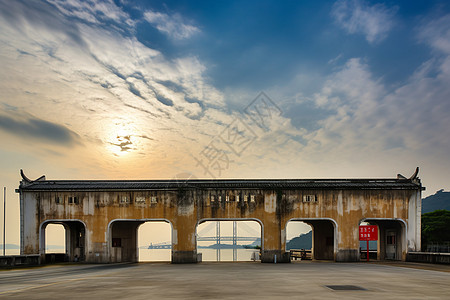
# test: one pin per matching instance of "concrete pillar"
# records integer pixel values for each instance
(184, 247)
(29, 225)
(41, 241)
(97, 241)
(347, 241)
(274, 226)
(381, 241)
(273, 250)
(184, 240)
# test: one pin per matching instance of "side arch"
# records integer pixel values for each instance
(76, 238)
(392, 237)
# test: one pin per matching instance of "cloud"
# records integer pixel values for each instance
(120, 96)
(436, 33)
(357, 16)
(27, 126)
(174, 26)
(369, 120)
(124, 142)
(95, 12)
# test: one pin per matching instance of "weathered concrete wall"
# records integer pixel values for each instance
(335, 216)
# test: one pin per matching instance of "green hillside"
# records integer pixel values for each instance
(436, 227)
(304, 241)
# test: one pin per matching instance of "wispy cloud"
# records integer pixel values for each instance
(94, 11)
(359, 17)
(174, 26)
(27, 126)
(436, 33)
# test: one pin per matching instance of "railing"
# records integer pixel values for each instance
(373, 254)
(17, 260)
(429, 257)
(301, 254)
(438, 248)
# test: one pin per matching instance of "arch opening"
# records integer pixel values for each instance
(391, 243)
(229, 240)
(140, 240)
(155, 241)
(55, 241)
(321, 237)
(299, 240)
(62, 240)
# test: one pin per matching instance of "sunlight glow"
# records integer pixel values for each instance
(121, 138)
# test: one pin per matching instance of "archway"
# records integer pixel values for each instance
(323, 244)
(391, 244)
(229, 239)
(124, 240)
(155, 241)
(74, 232)
(299, 240)
(55, 241)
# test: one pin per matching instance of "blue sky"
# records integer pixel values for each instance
(160, 89)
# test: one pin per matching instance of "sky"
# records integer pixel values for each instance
(223, 89)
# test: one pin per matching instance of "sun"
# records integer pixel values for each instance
(121, 138)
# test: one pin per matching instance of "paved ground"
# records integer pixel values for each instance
(305, 280)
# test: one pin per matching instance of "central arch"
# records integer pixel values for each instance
(230, 244)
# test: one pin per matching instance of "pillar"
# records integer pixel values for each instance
(184, 245)
(274, 247)
(97, 243)
(347, 240)
(30, 234)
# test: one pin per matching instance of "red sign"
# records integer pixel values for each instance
(368, 233)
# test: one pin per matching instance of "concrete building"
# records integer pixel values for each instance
(101, 218)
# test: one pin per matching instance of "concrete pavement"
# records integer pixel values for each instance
(306, 280)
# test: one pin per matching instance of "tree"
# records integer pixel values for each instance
(435, 227)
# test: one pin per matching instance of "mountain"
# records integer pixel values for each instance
(255, 245)
(304, 241)
(223, 246)
(10, 246)
(440, 200)
(54, 247)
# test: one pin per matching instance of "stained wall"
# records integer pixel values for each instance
(334, 214)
